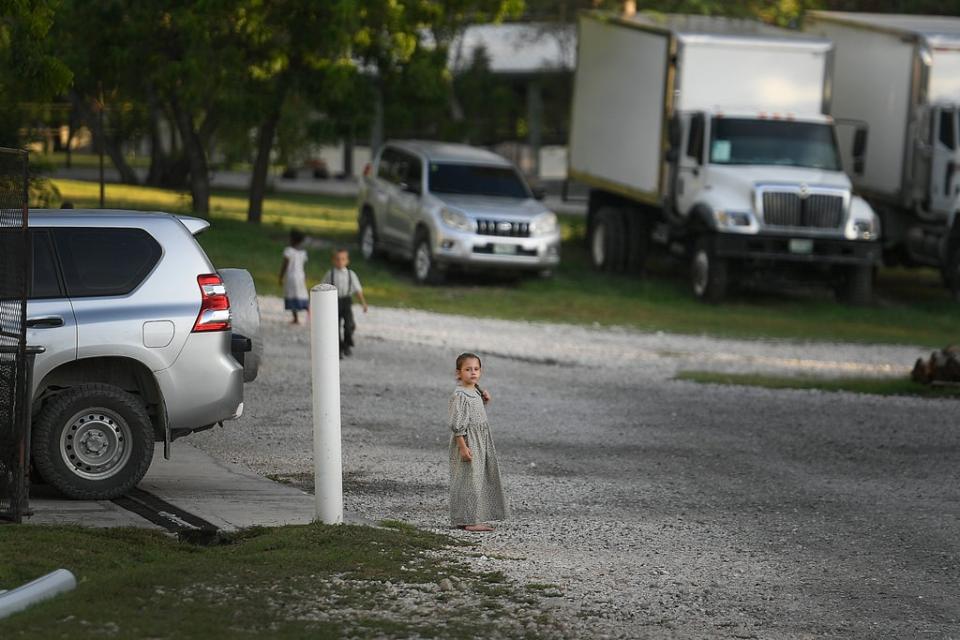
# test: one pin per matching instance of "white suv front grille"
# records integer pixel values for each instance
(489, 227)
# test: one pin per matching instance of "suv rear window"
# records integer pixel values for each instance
(45, 281)
(105, 262)
(476, 180)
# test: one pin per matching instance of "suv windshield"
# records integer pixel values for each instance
(776, 142)
(476, 180)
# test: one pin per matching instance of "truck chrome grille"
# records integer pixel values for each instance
(817, 210)
(487, 227)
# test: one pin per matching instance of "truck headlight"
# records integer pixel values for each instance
(544, 224)
(742, 221)
(863, 228)
(456, 220)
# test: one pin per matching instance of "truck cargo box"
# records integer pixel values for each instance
(634, 73)
(886, 68)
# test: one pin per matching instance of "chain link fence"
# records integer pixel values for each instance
(15, 273)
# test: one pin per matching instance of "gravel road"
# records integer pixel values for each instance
(644, 506)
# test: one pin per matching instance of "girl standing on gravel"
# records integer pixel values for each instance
(476, 495)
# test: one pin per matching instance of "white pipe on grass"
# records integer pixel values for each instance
(325, 370)
(43, 588)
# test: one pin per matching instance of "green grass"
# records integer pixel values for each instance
(311, 581)
(913, 308)
(874, 386)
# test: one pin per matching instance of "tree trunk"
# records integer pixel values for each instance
(158, 159)
(196, 159)
(348, 143)
(265, 137)
(109, 144)
(258, 180)
(376, 129)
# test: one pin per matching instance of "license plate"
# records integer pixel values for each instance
(505, 249)
(801, 245)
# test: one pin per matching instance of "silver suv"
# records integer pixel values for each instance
(440, 204)
(140, 344)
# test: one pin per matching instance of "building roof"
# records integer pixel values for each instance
(517, 48)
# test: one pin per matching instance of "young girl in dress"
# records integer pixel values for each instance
(293, 277)
(476, 495)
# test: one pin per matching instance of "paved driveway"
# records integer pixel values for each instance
(650, 507)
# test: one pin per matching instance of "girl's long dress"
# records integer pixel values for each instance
(295, 296)
(476, 494)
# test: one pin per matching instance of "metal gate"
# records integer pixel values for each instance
(15, 273)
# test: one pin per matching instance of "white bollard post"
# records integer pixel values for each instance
(325, 368)
(43, 588)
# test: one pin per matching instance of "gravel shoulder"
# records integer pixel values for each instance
(644, 506)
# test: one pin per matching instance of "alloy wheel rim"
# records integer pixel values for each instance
(96, 444)
(422, 262)
(596, 247)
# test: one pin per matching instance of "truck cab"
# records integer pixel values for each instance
(896, 75)
(938, 151)
(756, 172)
(765, 185)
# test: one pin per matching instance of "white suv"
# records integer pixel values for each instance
(142, 344)
(441, 204)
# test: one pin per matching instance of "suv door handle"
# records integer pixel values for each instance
(45, 322)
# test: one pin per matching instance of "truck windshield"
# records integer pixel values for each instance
(776, 142)
(476, 180)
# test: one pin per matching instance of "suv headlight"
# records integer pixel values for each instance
(456, 220)
(544, 224)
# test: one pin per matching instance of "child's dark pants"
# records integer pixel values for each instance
(345, 314)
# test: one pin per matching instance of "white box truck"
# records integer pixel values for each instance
(899, 76)
(708, 136)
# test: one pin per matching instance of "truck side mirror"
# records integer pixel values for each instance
(859, 150)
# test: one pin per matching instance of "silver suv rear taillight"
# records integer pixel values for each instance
(214, 304)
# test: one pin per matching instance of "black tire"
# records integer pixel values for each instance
(367, 238)
(857, 286)
(618, 241)
(425, 270)
(637, 234)
(245, 317)
(951, 273)
(709, 275)
(607, 241)
(93, 442)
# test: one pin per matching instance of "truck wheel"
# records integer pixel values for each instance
(708, 274)
(425, 269)
(951, 274)
(93, 442)
(857, 286)
(606, 240)
(245, 316)
(637, 240)
(368, 238)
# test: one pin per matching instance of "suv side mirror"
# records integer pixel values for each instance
(539, 193)
(859, 150)
(410, 187)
